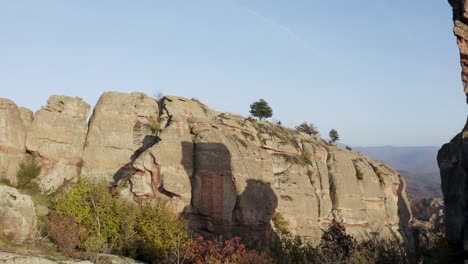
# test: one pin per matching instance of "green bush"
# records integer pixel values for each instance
(6, 182)
(280, 223)
(159, 231)
(28, 171)
(338, 247)
(95, 211)
(155, 125)
(359, 174)
(106, 223)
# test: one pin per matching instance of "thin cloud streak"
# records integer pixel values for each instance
(282, 28)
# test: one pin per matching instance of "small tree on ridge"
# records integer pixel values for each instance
(334, 135)
(261, 109)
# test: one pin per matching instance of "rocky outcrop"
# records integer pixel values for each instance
(453, 156)
(226, 174)
(12, 139)
(229, 175)
(17, 215)
(56, 140)
(119, 128)
(460, 29)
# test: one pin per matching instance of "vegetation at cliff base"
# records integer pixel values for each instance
(89, 219)
(336, 246)
(28, 171)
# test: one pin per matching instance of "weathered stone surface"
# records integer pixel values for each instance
(12, 139)
(119, 129)
(225, 173)
(114, 259)
(460, 29)
(453, 156)
(27, 116)
(453, 161)
(232, 174)
(56, 139)
(15, 258)
(17, 215)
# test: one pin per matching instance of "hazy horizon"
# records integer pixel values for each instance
(380, 72)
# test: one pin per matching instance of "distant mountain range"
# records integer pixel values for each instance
(418, 165)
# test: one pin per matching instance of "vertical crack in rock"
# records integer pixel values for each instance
(332, 179)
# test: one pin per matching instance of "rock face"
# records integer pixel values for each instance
(226, 174)
(17, 215)
(56, 140)
(12, 139)
(119, 128)
(453, 156)
(229, 175)
(460, 19)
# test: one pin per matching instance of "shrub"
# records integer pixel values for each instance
(64, 232)
(230, 251)
(280, 223)
(307, 128)
(150, 232)
(359, 174)
(96, 213)
(298, 250)
(28, 171)
(6, 182)
(337, 247)
(375, 249)
(336, 244)
(159, 231)
(155, 125)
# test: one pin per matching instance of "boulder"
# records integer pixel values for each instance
(56, 139)
(17, 215)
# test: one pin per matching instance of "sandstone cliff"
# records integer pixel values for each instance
(453, 156)
(226, 174)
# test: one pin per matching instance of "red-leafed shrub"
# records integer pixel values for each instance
(230, 251)
(64, 231)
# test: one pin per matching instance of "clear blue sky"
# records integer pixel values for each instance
(382, 72)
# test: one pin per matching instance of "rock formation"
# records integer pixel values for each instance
(453, 156)
(231, 174)
(17, 215)
(226, 174)
(12, 139)
(119, 126)
(56, 139)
